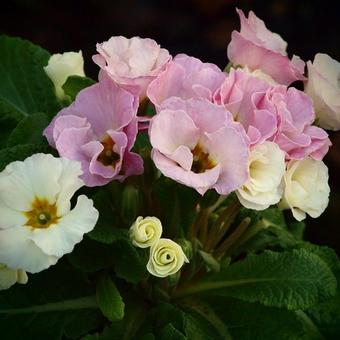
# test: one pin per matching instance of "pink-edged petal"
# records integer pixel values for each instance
(169, 129)
(201, 182)
(228, 148)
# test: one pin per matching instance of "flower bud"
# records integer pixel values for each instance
(166, 258)
(145, 232)
(61, 66)
(8, 277)
(306, 188)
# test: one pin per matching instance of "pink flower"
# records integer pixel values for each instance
(132, 63)
(258, 48)
(99, 129)
(241, 94)
(186, 77)
(196, 143)
(296, 135)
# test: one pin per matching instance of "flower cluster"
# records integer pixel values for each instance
(247, 131)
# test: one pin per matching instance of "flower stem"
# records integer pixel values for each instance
(88, 302)
(234, 236)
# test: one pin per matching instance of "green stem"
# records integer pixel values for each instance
(234, 236)
(74, 304)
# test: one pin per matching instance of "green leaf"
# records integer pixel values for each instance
(24, 88)
(107, 229)
(53, 302)
(6, 128)
(109, 299)
(29, 130)
(83, 259)
(294, 280)
(129, 264)
(74, 84)
(252, 321)
(169, 332)
(20, 152)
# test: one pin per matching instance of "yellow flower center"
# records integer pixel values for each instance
(202, 160)
(108, 157)
(42, 214)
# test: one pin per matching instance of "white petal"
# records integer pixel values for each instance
(60, 239)
(10, 218)
(18, 251)
(8, 277)
(69, 182)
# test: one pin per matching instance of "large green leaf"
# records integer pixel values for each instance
(29, 130)
(54, 302)
(109, 299)
(24, 86)
(294, 280)
(252, 321)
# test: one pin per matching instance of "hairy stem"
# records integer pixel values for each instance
(73, 304)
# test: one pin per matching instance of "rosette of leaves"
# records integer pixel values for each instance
(251, 275)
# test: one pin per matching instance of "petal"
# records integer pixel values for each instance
(60, 238)
(170, 129)
(10, 217)
(201, 182)
(17, 251)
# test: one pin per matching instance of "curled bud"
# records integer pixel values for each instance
(166, 258)
(145, 232)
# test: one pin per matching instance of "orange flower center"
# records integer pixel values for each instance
(202, 160)
(42, 214)
(108, 157)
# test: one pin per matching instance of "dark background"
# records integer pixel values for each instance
(197, 27)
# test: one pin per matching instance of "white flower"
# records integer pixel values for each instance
(145, 232)
(266, 169)
(37, 225)
(61, 66)
(306, 188)
(8, 277)
(323, 86)
(166, 258)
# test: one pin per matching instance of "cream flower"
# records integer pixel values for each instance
(323, 86)
(8, 277)
(145, 232)
(266, 169)
(61, 66)
(306, 188)
(166, 258)
(37, 225)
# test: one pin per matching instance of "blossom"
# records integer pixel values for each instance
(296, 135)
(241, 93)
(258, 48)
(146, 231)
(306, 188)
(99, 130)
(196, 143)
(37, 225)
(323, 85)
(166, 258)
(186, 77)
(132, 63)
(266, 169)
(61, 66)
(8, 277)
